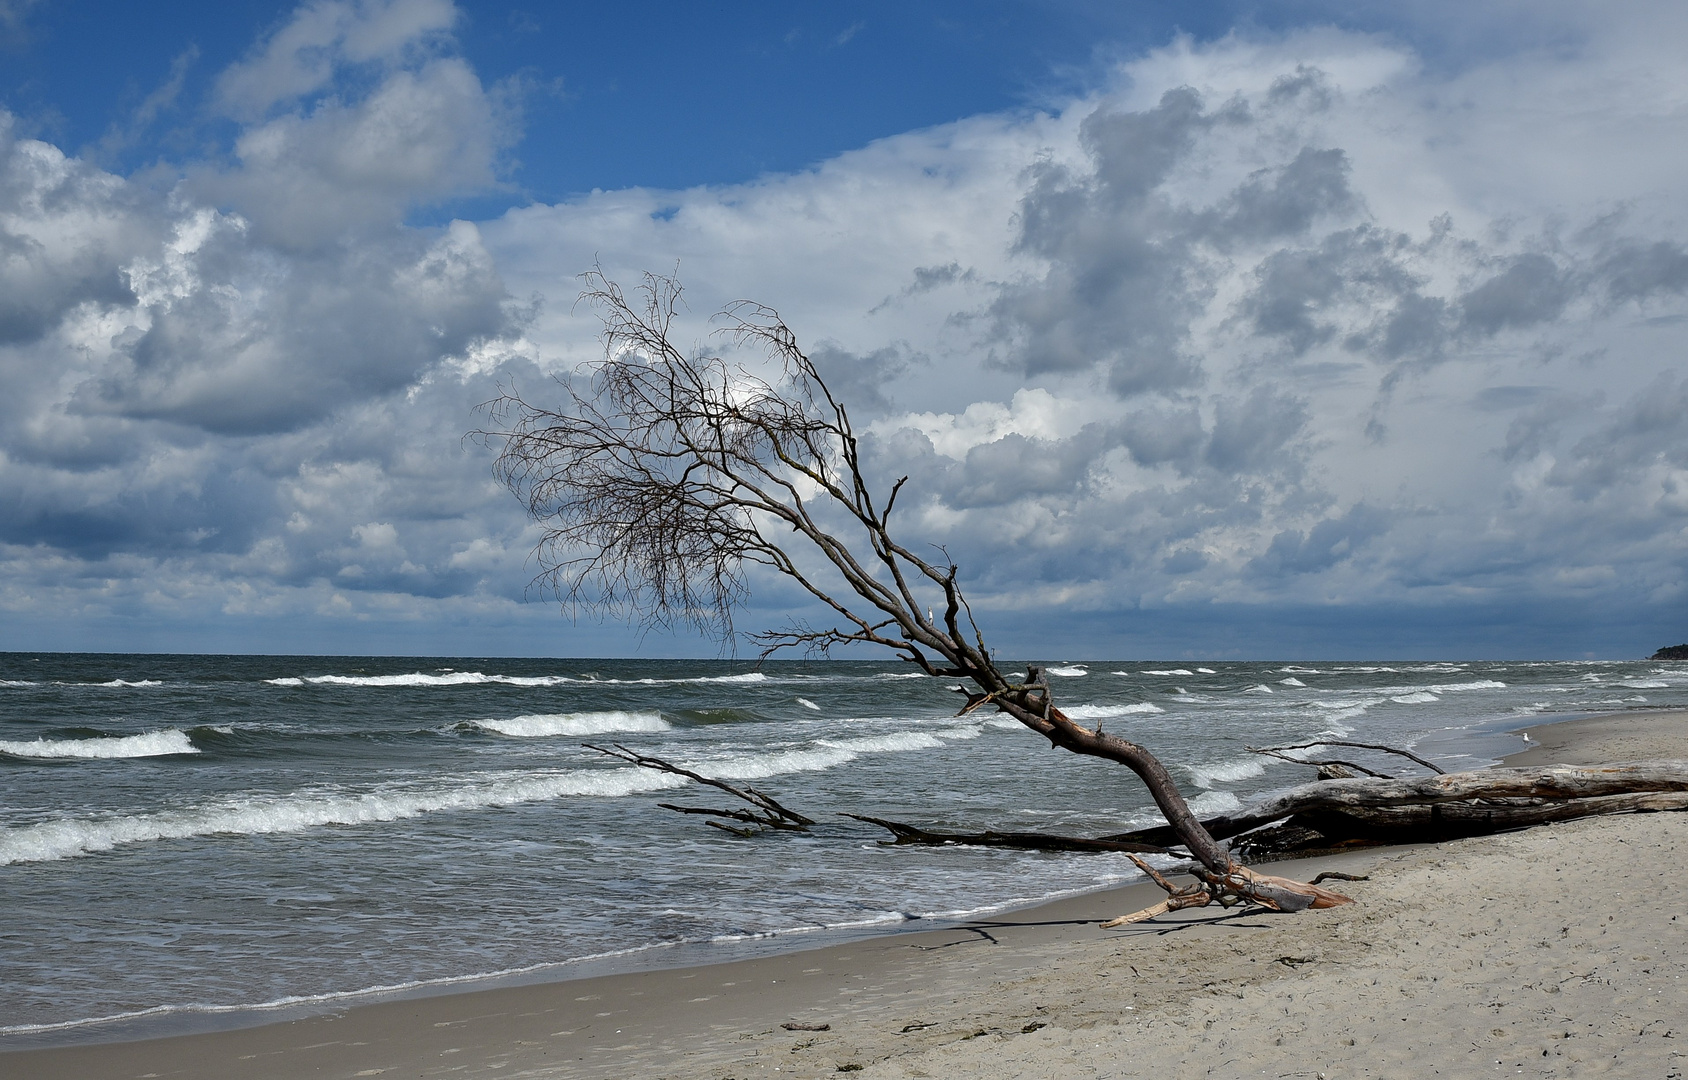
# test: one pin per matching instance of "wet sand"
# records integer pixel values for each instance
(1560, 951)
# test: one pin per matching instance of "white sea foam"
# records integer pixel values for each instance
(69, 837)
(807, 704)
(1171, 671)
(1442, 688)
(19, 683)
(746, 677)
(152, 744)
(1214, 802)
(1206, 671)
(1291, 681)
(1260, 688)
(1646, 684)
(827, 753)
(419, 678)
(537, 725)
(1417, 697)
(125, 682)
(1068, 672)
(1292, 670)
(1226, 772)
(1338, 711)
(1102, 712)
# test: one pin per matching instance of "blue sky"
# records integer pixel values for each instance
(1288, 330)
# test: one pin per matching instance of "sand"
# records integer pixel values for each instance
(1554, 952)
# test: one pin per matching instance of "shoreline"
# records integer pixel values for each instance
(888, 997)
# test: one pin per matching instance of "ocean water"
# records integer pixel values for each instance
(189, 837)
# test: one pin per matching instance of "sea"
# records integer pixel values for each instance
(199, 841)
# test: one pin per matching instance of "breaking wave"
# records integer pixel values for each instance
(827, 753)
(1227, 772)
(1068, 672)
(586, 723)
(67, 838)
(417, 678)
(1214, 802)
(152, 744)
(1102, 712)
(477, 678)
(1443, 688)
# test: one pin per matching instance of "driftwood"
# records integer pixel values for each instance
(1280, 752)
(1330, 811)
(769, 814)
(665, 479)
(1241, 885)
(1026, 841)
(1462, 803)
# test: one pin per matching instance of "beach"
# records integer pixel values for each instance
(1554, 952)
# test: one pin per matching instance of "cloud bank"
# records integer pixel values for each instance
(1265, 334)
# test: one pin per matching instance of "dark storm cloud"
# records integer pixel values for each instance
(1647, 430)
(1015, 467)
(1122, 285)
(274, 343)
(1253, 434)
(860, 379)
(1284, 202)
(1160, 436)
(1635, 270)
(1131, 267)
(1532, 289)
(1323, 546)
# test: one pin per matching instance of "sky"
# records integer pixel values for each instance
(1237, 330)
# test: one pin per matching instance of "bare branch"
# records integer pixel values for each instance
(1431, 765)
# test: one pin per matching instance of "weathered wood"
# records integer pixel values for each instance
(1397, 751)
(1551, 783)
(1476, 818)
(905, 833)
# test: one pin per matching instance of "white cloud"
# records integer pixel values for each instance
(1251, 327)
(308, 51)
(1281, 321)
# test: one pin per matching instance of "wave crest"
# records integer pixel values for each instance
(152, 744)
(538, 725)
(67, 838)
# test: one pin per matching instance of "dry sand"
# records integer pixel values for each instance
(1555, 952)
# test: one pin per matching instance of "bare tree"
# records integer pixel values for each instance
(664, 477)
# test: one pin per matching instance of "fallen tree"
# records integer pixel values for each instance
(664, 478)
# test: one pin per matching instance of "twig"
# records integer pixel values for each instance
(1272, 752)
(773, 814)
(1431, 765)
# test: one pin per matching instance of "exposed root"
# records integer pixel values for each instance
(1239, 886)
